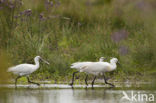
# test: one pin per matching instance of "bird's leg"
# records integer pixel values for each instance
(77, 77)
(32, 82)
(16, 81)
(106, 81)
(93, 81)
(73, 78)
(86, 79)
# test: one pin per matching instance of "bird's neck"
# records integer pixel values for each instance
(113, 65)
(37, 64)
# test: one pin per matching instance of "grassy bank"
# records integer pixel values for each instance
(67, 31)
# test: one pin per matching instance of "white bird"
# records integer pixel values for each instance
(26, 69)
(97, 68)
(79, 65)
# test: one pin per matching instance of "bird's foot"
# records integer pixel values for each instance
(77, 77)
(107, 79)
(112, 85)
(37, 84)
(71, 84)
(92, 87)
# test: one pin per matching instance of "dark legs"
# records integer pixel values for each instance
(32, 82)
(93, 81)
(27, 79)
(16, 81)
(73, 78)
(105, 80)
(86, 79)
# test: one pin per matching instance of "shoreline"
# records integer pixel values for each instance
(67, 86)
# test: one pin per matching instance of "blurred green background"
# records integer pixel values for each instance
(66, 31)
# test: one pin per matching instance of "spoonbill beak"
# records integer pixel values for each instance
(118, 63)
(105, 58)
(45, 61)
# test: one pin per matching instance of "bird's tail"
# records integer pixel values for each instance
(10, 69)
(82, 69)
(77, 65)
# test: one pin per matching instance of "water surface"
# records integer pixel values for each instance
(68, 95)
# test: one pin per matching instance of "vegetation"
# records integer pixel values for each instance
(67, 31)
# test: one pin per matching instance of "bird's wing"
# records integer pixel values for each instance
(10, 69)
(22, 68)
(79, 65)
(95, 67)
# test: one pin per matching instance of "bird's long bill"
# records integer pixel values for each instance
(105, 58)
(45, 61)
(119, 63)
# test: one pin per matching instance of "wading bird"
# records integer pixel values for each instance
(26, 69)
(79, 65)
(97, 68)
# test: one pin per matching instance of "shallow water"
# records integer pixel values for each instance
(68, 95)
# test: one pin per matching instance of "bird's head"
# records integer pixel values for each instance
(37, 58)
(102, 59)
(114, 60)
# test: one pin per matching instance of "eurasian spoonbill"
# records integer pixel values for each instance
(79, 65)
(97, 68)
(26, 69)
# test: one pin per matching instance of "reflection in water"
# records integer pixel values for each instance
(61, 96)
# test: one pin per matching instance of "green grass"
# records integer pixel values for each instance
(80, 30)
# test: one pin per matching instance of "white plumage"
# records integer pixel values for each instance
(100, 67)
(97, 68)
(26, 69)
(79, 65)
(23, 69)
